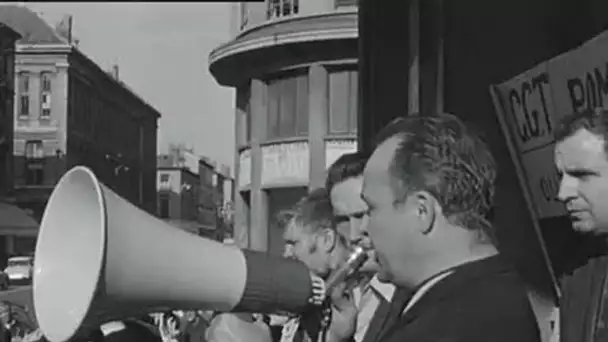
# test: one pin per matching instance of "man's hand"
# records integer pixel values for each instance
(318, 290)
(343, 316)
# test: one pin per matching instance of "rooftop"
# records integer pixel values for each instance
(32, 28)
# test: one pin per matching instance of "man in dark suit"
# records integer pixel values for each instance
(429, 186)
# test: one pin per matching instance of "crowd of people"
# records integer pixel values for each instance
(419, 205)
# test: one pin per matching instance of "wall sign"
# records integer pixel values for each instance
(336, 148)
(530, 105)
(286, 163)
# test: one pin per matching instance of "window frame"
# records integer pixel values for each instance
(24, 94)
(292, 85)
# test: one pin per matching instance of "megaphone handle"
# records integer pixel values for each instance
(274, 283)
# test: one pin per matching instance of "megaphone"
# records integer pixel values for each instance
(100, 258)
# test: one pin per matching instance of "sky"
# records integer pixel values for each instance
(162, 51)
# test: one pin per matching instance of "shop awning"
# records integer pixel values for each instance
(15, 221)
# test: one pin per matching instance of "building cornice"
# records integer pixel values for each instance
(237, 47)
(44, 48)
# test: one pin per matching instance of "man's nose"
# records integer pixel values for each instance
(567, 189)
(288, 253)
(355, 229)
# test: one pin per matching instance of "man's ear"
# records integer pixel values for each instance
(425, 206)
(329, 239)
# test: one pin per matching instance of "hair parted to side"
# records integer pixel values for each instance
(313, 212)
(441, 155)
(347, 166)
(593, 120)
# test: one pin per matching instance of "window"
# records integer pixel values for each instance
(343, 102)
(34, 156)
(281, 8)
(243, 104)
(288, 107)
(34, 150)
(164, 178)
(24, 94)
(163, 206)
(45, 95)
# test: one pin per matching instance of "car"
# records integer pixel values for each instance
(20, 269)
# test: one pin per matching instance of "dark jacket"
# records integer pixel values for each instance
(584, 300)
(482, 301)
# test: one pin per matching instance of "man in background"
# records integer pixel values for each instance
(582, 162)
(311, 237)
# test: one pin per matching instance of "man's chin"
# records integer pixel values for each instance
(383, 277)
(585, 228)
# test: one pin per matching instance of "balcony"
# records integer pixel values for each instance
(284, 42)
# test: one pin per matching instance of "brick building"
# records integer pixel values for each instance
(178, 186)
(69, 111)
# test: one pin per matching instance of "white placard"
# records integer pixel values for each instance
(533, 102)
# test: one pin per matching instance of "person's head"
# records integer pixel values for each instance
(310, 235)
(580, 158)
(429, 186)
(344, 184)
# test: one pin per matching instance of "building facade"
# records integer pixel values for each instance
(68, 111)
(294, 67)
(8, 38)
(178, 193)
(189, 192)
(15, 222)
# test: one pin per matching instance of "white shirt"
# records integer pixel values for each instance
(367, 302)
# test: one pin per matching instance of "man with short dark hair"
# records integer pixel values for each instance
(581, 159)
(378, 303)
(429, 186)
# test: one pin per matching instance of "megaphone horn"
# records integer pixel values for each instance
(99, 258)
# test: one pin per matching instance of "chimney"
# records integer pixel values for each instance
(115, 71)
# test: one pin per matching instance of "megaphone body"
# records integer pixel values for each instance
(99, 258)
